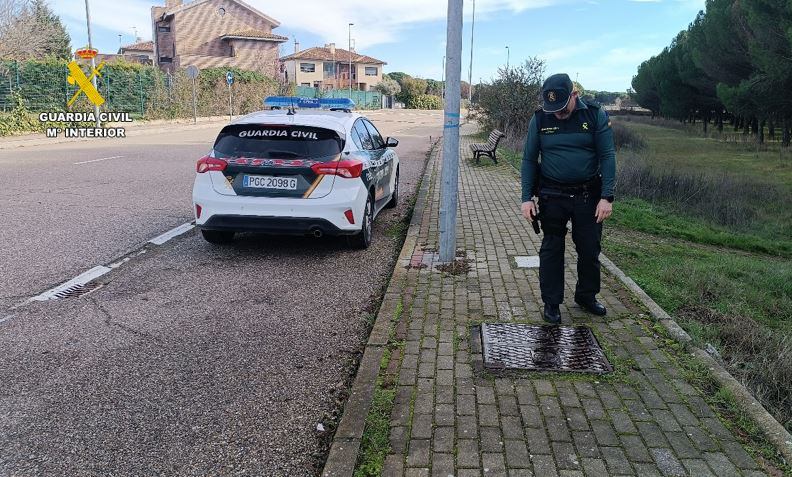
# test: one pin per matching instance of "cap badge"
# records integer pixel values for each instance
(551, 96)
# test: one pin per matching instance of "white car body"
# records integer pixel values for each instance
(321, 203)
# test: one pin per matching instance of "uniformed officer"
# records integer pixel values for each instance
(574, 181)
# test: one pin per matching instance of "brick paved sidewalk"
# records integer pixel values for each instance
(450, 418)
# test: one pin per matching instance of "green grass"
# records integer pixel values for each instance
(375, 443)
(637, 214)
(677, 273)
(674, 149)
(723, 402)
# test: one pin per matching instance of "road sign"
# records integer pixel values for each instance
(230, 78)
(192, 72)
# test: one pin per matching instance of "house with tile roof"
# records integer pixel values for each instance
(328, 67)
(139, 52)
(214, 33)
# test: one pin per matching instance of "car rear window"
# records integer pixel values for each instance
(277, 142)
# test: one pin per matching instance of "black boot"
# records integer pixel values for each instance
(552, 314)
(592, 306)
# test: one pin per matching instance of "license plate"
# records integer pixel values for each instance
(269, 182)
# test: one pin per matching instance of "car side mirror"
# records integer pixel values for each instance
(391, 142)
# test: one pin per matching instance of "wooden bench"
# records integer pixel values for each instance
(489, 148)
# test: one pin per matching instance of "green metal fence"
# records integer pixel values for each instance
(44, 86)
(362, 99)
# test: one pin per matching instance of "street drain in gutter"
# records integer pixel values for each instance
(76, 287)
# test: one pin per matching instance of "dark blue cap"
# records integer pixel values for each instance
(556, 91)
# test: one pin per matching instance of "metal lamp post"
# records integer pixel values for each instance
(507, 58)
(350, 60)
(93, 60)
(450, 171)
(470, 68)
(443, 80)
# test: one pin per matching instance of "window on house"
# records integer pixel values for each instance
(329, 69)
(163, 28)
(371, 70)
(308, 67)
(305, 84)
(165, 59)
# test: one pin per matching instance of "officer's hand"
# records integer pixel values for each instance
(529, 209)
(604, 210)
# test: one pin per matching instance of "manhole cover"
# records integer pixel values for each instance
(542, 348)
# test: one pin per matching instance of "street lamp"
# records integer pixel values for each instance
(93, 59)
(350, 60)
(470, 69)
(442, 80)
(507, 58)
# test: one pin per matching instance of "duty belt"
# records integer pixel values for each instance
(587, 186)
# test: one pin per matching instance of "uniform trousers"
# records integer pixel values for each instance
(558, 206)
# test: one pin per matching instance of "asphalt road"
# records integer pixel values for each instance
(192, 359)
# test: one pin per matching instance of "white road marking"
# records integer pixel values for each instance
(98, 160)
(6, 318)
(82, 279)
(161, 239)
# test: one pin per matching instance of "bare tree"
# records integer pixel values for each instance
(28, 29)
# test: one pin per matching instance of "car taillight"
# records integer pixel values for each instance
(350, 216)
(198, 210)
(206, 164)
(350, 168)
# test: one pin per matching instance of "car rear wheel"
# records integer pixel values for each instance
(394, 200)
(362, 239)
(217, 236)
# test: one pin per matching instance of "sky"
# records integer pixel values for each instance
(599, 42)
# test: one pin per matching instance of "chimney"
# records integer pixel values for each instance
(173, 3)
(296, 46)
(331, 47)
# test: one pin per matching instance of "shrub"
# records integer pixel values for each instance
(425, 101)
(388, 86)
(509, 102)
(625, 137)
(410, 88)
(761, 358)
(729, 200)
(19, 119)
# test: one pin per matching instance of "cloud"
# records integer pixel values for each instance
(570, 51)
(379, 22)
(375, 23)
(120, 15)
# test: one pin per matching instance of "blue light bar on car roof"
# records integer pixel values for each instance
(308, 103)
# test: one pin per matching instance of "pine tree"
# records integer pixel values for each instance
(59, 42)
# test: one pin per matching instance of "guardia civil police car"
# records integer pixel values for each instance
(297, 169)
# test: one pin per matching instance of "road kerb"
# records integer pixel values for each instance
(346, 441)
(771, 428)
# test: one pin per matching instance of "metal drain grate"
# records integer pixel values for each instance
(542, 348)
(76, 291)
